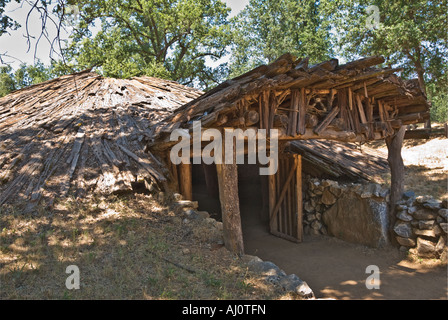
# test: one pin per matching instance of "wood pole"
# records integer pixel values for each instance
(394, 144)
(230, 208)
(186, 181)
(299, 198)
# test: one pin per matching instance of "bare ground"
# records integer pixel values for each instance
(335, 269)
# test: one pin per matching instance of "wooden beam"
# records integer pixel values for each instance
(330, 116)
(230, 208)
(295, 94)
(301, 125)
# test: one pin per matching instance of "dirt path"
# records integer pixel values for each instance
(336, 269)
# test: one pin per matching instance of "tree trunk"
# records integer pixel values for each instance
(394, 144)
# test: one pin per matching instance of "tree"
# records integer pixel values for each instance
(7, 83)
(266, 29)
(6, 23)
(166, 38)
(27, 75)
(411, 34)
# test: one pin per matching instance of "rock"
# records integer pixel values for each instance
(316, 225)
(186, 204)
(406, 242)
(426, 224)
(191, 214)
(444, 256)
(426, 248)
(402, 215)
(319, 190)
(265, 267)
(412, 209)
(185, 251)
(310, 217)
(400, 207)
(432, 204)
(308, 207)
(357, 220)
(445, 203)
(328, 198)
(441, 245)
(177, 196)
(335, 191)
(444, 227)
(422, 199)
(403, 229)
(425, 233)
(409, 194)
(295, 285)
(443, 213)
(424, 214)
(437, 230)
(203, 214)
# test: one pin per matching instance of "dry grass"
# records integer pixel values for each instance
(126, 248)
(426, 162)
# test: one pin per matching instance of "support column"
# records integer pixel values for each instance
(186, 181)
(230, 207)
(394, 144)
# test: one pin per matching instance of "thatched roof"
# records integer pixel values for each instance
(335, 160)
(82, 133)
(383, 98)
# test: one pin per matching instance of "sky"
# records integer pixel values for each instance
(15, 45)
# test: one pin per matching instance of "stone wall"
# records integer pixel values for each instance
(358, 213)
(421, 226)
(353, 212)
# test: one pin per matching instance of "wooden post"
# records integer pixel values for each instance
(186, 181)
(394, 144)
(299, 198)
(230, 207)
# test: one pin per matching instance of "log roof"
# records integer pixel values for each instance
(82, 133)
(351, 102)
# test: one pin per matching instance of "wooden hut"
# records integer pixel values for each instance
(354, 102)
(82, 134)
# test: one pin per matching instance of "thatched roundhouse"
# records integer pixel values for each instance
(82, 133)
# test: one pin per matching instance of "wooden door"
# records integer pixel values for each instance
(285, 199)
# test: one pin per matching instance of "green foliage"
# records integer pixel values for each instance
(412, 35)
(7, 83)
(438, 95)
(6, 23)
(163, 38)
(27, 75)
(266, 29)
